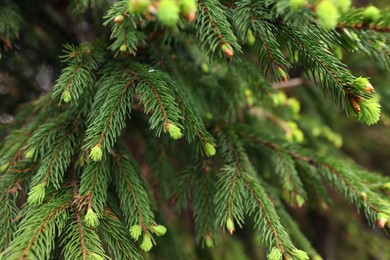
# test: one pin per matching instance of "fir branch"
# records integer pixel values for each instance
(81, 242)
(289, 179)
(336, 173)
(94, 184)
(11, 152)
(204, 209)
(79, 74)
(11, 23)
(230, 193)
(193, 123)
(135, 200)
(110, 109)
(8, 213)
(253, 16)
(250, 197)
(34, 237)
(355, 19)
(373, 44)
(316, 59)
(113, 232)
(154, 88)
(293, 229)
(214, 29)
(125, 34)
(54, 144)
(266, 219)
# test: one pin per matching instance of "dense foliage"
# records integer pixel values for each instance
(169, 111)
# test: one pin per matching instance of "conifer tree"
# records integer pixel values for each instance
(168, 108)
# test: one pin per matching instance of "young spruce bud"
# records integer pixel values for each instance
(96, 153)
(119, 19)
(209, 149)
(135, 232)
(160, 230)
(381, 219)
(37, 194)
(91, 218)
(328, 14)
(230, 225)
(147, 243)
(174, 131)
(227, 50)
(275, 254)
(66, 97)
(168, 13)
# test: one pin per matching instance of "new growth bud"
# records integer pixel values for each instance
(300, 254)
(173, 130)
(370, 111)
(230, 225)
(123, 48)
(363, 196)
(168, 12)
(4, 166)
(138, 6)
(363, 84)
(66, 97)
(282, 73)
(188, 8)
(91, 218)
(135, 232)
(328, 14)
(300, 200)
(147, 243)
(227, 50)
(385, 187)
(119, 19)
(37, 194)
(371, 13)
(297, 4)
(209, 149)
(250, 38)
(209, 241)
(381, 219)
(159, 230)
(96, 153)
(29, 153)
(342, 5)
(275, 254)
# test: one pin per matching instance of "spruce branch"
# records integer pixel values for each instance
(296, 234)
(214, 31)
(204, 209)
(114, 233)
(93, 186)
(124, 31)
(35, 234)
(245, 195)
(357, 19)
(79, 241)
(332, 75)
(334, 172)
(111, 107)
(11, 23)
(79, 74)
(253, 16)
(8, 213)
(155, 91)
(135, 200)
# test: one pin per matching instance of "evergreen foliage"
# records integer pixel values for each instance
(94, 169)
